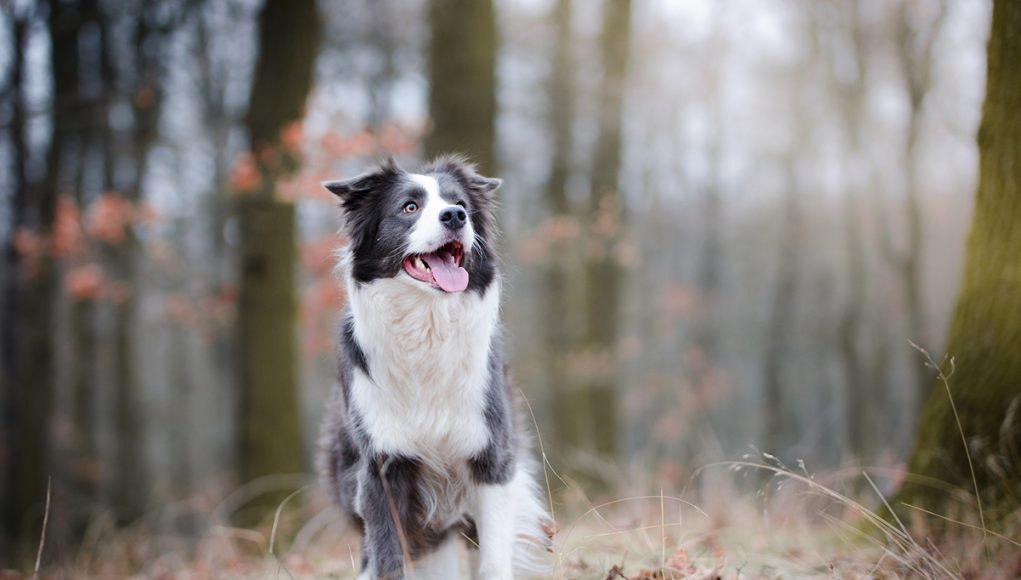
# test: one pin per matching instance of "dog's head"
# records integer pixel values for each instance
(433, 229)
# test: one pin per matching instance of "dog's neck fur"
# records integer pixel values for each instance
(428, 355)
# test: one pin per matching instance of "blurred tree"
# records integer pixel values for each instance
(271, 434)
(561, 340)
(915, 42)
(703, 356)
(606, 212)
(462, 81)
(90, 131)
(33, 291)
(782, 313)
(12, 277)
(985, 333)
(845, 42)
(144, 89)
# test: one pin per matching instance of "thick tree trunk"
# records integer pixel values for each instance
(93, 131)
(462, 80)
(11, 295)
(606, 212)
(270, 425)
(985, 333)
(32, 396)
(271, 421)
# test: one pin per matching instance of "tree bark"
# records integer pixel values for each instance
(270, 426)
(33, 389)
(985, 332)
(606, 212)
(271, 440)
(12, 276)
(462, 81)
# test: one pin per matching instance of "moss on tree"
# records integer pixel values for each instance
(985, 333)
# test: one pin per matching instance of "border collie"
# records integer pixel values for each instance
(421, 444)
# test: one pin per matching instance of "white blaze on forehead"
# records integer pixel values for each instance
(429, 184)
(429, 233)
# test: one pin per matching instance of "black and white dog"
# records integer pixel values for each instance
(421, 445)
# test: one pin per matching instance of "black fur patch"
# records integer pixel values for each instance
(349, 347)
(495, 464)
(390, 490)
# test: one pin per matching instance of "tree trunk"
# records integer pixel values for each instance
(560, 339)
(985, 333)
(12, 276)
(33, 392)
(462, 81)
(270, 425)
(915, 51)
(606, 212)
(860, 391)
(781, 319)
(122, 259)
(271, 440)
(93, 131)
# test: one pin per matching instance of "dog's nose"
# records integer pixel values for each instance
(453, 218)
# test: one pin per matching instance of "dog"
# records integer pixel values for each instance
(422, 445)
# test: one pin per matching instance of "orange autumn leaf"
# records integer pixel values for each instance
(66, 239)
(109, 217)
(84, 282)
(27, 244)
(291, 136)
(244, 175)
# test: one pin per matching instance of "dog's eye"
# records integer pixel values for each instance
(410, 207)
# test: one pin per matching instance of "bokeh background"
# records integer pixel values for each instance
(723, 226)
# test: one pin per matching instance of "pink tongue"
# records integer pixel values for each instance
(449, 276)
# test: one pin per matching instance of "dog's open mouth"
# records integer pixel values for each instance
(441, 268)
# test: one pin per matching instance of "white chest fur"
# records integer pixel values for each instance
(428, 360)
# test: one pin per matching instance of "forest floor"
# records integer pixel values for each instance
(784, 525)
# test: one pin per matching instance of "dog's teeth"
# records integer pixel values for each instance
(419, 264)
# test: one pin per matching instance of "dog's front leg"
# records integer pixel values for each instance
(496, 532)
(386, 505)
(493, 470)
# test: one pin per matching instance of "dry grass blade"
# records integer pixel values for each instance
(276, 516)
(545, 462)
(899, 538)
(964, 524)
(945, 379)
(273, 530)
(879, 494)
(42, 534)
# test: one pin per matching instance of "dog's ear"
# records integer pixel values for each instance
(458, 166)
(485, 184)
(346, 188)
(351, 191)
